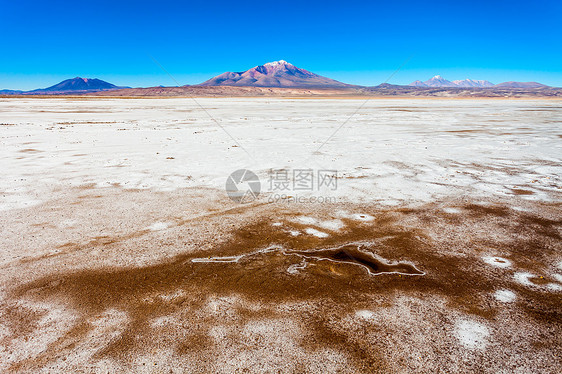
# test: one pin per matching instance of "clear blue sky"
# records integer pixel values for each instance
(361, 42)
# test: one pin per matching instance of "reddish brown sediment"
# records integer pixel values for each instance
(318, 301)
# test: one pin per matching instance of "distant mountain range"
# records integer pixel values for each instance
(274, 74)
(283, 75)
(439, 81)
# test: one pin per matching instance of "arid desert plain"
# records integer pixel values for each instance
(439, 249)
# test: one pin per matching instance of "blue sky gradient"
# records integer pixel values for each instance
(359, 42)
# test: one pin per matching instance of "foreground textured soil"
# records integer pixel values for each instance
(232, 288)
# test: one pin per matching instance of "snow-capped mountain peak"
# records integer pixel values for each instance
(439, 81)
(472, 83)
(277, 63)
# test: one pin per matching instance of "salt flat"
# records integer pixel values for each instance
(108, 206)
(391, 151)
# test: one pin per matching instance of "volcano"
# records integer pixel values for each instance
(275, 74)
(77, 85)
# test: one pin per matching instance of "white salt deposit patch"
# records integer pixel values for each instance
(223, 308)
(276, 224)
(295, 268)
(306, 220)
(173, 296)
(505, 296)
(523, 277)
(218, 333)
(365, 314)
(472, 334)
(8, 201)
(165, 321)
(294, 233)
(332, 225)
(266, 327)
(558, 277)
(104, 365)
(519, 209)
(319, 234)
(157, 226)
(451, 210)
(67, 223)
(497, 261)
(560, 265)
